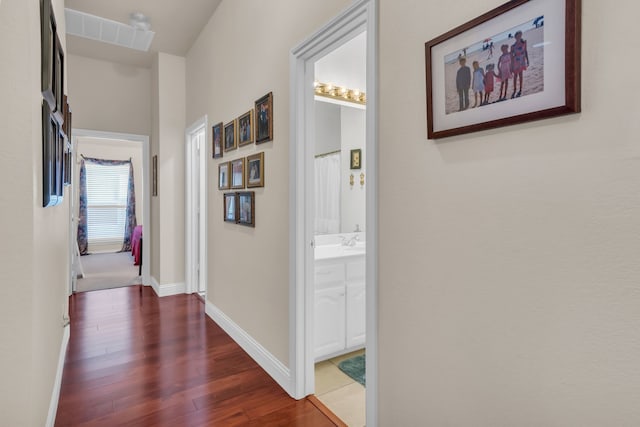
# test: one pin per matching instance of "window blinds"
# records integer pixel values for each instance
(106, 203)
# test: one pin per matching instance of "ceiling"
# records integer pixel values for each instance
(177, 24)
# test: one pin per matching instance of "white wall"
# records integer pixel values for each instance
(327, 121)
(248, 268)
(509, 258)
(109, 96)
(168, 143)
(34, 252)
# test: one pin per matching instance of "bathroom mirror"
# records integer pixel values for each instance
(340, 200)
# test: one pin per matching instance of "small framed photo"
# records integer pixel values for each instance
(230, 137)
(58, 72)
(245, 128)
(255, 170)
(356, 158)
(230, 211)
(264, 118)
(154, 178)
(246, 208)
(223, 176)
(216, 136)
(48, 42)
(516, 63)
(237, 173)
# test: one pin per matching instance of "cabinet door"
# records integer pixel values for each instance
(329, 321)
(356, 314)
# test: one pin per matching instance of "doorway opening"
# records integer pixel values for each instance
(196, 205)
(115, 207)
(311, 305)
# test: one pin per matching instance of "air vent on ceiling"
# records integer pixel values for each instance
(105, 30)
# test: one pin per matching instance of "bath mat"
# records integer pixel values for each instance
(355, 368)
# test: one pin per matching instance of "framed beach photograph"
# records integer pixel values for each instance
(356, 159)
(516, 63)
(264, 118)
(230, 211)
(245, 128)
(246, 208)
(230, 137)
(216, 136)
(255, 170)
(223, 176)
(237, 173)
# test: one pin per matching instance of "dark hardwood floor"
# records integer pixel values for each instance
(138, 360)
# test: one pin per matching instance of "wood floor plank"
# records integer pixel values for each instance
(137, 360)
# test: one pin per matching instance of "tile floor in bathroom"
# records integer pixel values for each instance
(341, 394)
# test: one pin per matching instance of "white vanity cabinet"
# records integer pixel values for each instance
(340, 306)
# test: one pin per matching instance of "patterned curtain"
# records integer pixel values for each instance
(130, 222)
(83, 243)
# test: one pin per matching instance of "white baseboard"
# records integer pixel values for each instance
(167, 289)
(267, 361)
(55, 395)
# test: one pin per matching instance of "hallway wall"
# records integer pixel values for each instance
(242, 54)
(511, 286)
(108, 96)
(34, 260)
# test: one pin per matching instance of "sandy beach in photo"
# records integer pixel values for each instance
(533, 76)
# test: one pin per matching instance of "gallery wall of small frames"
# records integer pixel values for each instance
(56, 113)
(254, 126)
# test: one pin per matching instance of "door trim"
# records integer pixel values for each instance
(146, 188)
(361, 16)
(190, 249)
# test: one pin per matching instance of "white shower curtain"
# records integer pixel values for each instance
(328, 194)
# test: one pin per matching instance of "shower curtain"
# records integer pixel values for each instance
(327, 185)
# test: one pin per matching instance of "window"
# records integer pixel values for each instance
(106, 205)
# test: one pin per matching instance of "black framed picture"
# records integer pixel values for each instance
(47, 39)
(52, 162)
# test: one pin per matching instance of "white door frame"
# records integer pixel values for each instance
(146, 192)
(191, 216)
(361, 16)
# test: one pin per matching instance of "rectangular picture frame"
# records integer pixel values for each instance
(47, 49)
(245, 128)
(58, 74)
(154, 176)
(217, 132)
(255, 170)
(51, 185)
(547, 74)
(246, 208)
(230, 136)
(264, 118)
(355, 159)
(237, 173)
(229, 204)
(223, 175)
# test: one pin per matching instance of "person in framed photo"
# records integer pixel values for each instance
(520, 62)
(254, 172)
(229, 138)
(217, 142)
(263, 121)
(463, 83)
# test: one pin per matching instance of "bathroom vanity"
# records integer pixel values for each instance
(340, 297)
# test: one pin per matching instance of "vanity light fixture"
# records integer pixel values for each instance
(329, 90)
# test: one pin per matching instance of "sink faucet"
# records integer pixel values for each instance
(351, 241)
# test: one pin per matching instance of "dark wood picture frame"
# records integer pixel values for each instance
(264, 119)
(356, 159)
(47, 49)
(224, 174)
(245, 128)
(255, 170)
(246, 208)
(52, 159)
(230, 203)
(230, 136)
(154, 176)
(216, 138)
(58, 75)
(236, 176)
(560, 94)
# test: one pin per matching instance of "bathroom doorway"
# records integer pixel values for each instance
(319, 307)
